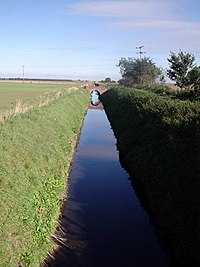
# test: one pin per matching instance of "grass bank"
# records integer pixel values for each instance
(159, 142)
(35, 153)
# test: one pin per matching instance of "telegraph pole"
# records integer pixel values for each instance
(23, 72)
(140, 52)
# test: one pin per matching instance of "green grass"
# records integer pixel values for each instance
(35, 153)
(159, 142)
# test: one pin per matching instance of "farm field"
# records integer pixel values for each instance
(12, 92)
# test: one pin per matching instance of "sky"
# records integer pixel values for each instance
(81, 39)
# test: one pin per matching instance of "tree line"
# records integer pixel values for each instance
(143, 71)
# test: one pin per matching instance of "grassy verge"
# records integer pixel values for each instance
(159, 143)
(35, 153)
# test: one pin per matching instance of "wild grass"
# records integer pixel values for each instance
(35, 152)
(159, 142)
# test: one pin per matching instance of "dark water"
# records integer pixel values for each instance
(103, 220)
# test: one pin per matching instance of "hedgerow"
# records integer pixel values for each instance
(159, 142)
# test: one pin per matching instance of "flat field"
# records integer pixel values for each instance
(12, 92)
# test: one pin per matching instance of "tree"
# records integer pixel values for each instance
(180, 65)
(108, 80)
(193, 79)
(138, 71)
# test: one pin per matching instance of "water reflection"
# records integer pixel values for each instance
(95, 101)
(103, 221)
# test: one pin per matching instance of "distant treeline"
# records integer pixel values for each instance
(158, 137)
(32, 79)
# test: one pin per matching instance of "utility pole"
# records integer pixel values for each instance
(23, 72)
(140, 52)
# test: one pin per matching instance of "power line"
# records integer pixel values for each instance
(23, 66)
(140, 52)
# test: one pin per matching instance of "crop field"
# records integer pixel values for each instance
(12, 92)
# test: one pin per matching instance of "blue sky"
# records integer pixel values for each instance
(83, 39)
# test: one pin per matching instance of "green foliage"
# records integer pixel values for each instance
(180, 65)
(158, 140)
(108, 80)
(35, 153)
(138, 71)
(193, 79)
